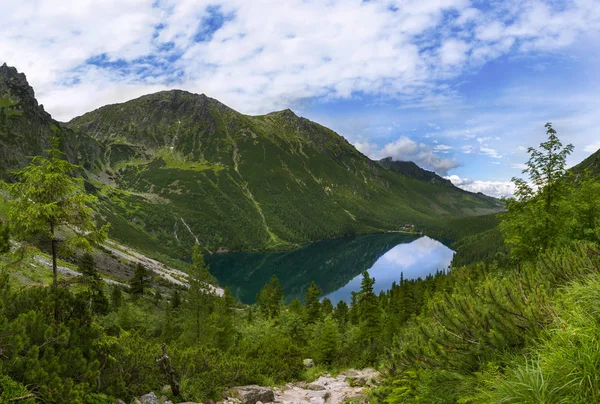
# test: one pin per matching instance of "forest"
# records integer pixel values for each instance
(515, 320)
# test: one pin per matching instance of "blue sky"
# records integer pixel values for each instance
(461, 87)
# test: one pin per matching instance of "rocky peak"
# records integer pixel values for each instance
(15, 88)
(11, 78)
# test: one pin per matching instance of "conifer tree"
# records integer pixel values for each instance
(87, 266)
(48, 201)
(312, 304)
(175, 299)
(326, 307)
(341, 313)
(140, 281)
(326, 341)
(270, 298)
(198, 294)
(369, 316)
(116, 297)
(4, 238)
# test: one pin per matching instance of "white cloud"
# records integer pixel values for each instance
(406, 149)
(496, 189)
(592, 148)
(271, 55)
(453, 52)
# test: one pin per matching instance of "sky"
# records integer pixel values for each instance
(461, 87)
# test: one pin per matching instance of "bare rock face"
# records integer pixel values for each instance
(252, 394)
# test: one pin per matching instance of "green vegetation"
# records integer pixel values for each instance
(48, 201)
(514, 321)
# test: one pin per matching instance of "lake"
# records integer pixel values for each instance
(335, 265)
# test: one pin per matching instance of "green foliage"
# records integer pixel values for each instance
(48, 201)
(312, 303)
(4, 238)
(141, 280)
(536, 216)
(270, 298)
(326, 341)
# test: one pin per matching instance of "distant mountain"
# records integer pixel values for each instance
(412, 170)
(173, 168)
(592, 163)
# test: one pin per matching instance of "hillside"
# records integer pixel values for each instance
(173, 168)
(196, 168)
(592, 163)
(412, 170)
(25, 127)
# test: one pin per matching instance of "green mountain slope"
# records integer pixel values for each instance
(173, 168)
(410, 169)
(195, 168)
(592, 163)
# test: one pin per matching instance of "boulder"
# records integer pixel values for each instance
(308, 363)
(149, 398)
(317, 400)
(252, 394)
(315, 387)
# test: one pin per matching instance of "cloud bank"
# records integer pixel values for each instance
(406, 149)
(80, 55)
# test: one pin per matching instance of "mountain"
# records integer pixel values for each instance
(592, 163)
(25, 127)
(173, 168)
(410, 169)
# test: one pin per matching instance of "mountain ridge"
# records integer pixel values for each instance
(174, 168)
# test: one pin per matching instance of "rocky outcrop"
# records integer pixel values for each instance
(326, 389)
(252, 394)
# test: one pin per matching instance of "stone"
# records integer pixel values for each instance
(315, 387)
(317, 400)
(149, 398)
(120, 402)
(308, 363)
(252, 394)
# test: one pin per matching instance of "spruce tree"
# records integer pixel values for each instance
(49, 202)
(326, 307)
(116, 297)
(140, 281)
(326, 341)
(270, 298)
(312, 304)
(198, 295)
(4, 238)
(369, 315)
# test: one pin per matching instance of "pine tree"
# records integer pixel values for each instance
(87, 266)
(140, 281)
(116, 297)
(341, 313)
(175, 299)
(326, 341)
(312, 304)
(270, 298)
(326, 307)
(47, 200)
(198, 295)
(4, 238)
(369, 315)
